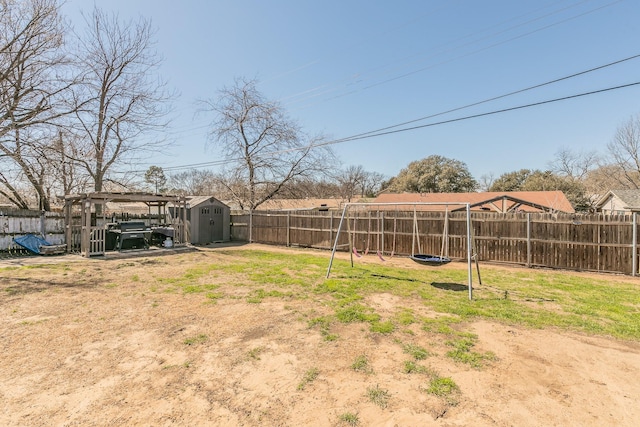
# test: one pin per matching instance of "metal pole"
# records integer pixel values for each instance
(634, 245)
(469, 272)
(335, 244)
(349, 237)
(330, 226)
(529, 239)
(413, 233)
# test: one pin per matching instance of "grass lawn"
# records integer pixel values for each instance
(259, 336)
(594, 304)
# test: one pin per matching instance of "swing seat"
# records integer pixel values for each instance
(431, 260)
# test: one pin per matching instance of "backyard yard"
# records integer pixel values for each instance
(254, 335)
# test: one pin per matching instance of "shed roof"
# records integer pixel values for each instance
(193, 201)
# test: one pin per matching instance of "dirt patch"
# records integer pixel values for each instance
(95, 345)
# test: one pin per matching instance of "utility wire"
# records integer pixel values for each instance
(385, 131)
(500, 96)
(504, 110)
(474, 104)
(313, 92)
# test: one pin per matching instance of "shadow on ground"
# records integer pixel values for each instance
(20, 286)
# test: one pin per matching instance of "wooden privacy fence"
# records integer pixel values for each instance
(17, 222)
(577, 242)
(51, 226)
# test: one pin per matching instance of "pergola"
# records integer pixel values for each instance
(90, 235)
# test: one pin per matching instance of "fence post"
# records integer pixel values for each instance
(288, 228)
(250, 224)
(529, 239)
(634, 245)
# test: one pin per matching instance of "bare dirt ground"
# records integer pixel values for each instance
(97, 346)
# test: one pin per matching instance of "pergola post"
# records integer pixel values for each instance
(68, 235)
(85, 215)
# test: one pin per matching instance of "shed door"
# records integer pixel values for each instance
(210, 225)
(216, 225)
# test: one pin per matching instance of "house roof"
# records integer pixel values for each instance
(301, 204)
(508, 201)
(630, 198)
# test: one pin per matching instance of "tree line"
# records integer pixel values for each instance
(80, 108)
(75, 106)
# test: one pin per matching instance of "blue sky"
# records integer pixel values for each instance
(344, 67)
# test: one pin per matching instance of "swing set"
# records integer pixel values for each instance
(429, 260)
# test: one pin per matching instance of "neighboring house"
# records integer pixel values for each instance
(507, 201)
(617, 202)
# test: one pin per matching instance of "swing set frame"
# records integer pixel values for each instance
(470, 243)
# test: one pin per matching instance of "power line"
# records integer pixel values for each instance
(328, 89)
(384, 131)
(536, 86)
(610, 64)
(474, 104)
(504, 110)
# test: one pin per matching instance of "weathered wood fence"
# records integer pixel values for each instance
(14, 222)
(577, 242)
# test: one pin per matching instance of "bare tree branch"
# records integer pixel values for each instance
(624, 150)
(263, 147)
(120, 103)
(34, 87)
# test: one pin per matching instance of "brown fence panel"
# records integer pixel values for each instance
(312, 229)
(240, 227)
(270, 228)
(500, 237)
(578, 242)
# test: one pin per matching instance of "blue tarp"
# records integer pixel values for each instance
(31, 242)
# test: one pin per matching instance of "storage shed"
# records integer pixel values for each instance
(209, 220)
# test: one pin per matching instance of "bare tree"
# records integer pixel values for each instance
(34, 85)
(10, 185)
(372, 183)
(355, 181)
(263, 148)
(624, 150)
(486, 181)
(121, 102)
(604, 178)
(70, 178)
(194, 183)
(574, 164)
(351, 181)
